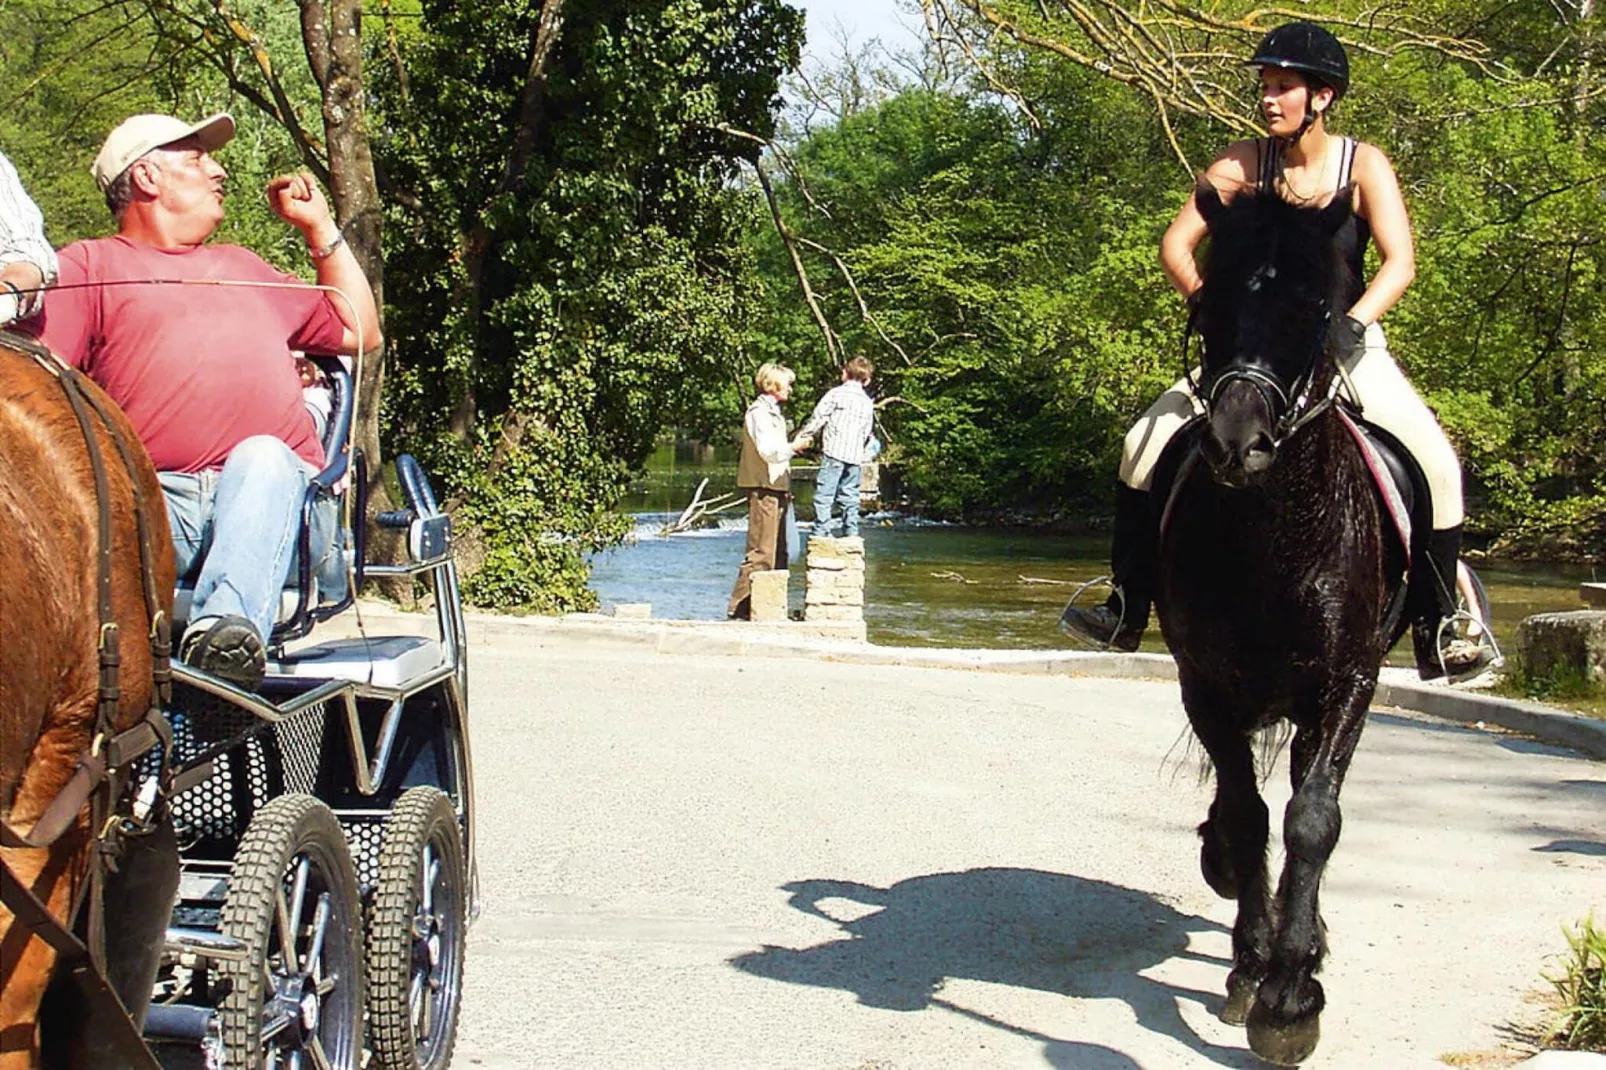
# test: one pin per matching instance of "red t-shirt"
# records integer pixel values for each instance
(197, 369)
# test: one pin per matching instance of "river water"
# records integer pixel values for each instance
(937, 585)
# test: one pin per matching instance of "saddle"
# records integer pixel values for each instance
(1401, 487)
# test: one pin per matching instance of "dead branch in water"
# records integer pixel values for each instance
(954, 576)
(699, 510)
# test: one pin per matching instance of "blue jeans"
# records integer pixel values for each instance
(235, 530)
(837, 483)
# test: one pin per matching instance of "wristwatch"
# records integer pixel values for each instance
(323, 251)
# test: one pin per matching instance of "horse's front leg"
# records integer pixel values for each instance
(1232, 855)
(1285, 1022)
(26, 961)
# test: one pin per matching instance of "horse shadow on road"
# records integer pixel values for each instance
(1052, 932)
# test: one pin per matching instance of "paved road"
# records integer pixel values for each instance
(710, 862)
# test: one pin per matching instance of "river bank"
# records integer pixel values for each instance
(934, 584)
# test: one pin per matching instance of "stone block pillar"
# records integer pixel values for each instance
(1574, 643)
(870, 481)
(835, 580)
(768, 597)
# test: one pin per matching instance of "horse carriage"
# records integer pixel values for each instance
(323, 824)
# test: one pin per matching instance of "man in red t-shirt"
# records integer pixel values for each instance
(205, 373)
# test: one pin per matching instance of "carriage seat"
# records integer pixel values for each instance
(289, 599)
(394, 661)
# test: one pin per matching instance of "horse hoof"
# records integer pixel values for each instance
(1240, 997)
(1283, 1044)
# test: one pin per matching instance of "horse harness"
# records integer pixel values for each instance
(102, 774)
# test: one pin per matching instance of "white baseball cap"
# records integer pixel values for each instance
(136, 136)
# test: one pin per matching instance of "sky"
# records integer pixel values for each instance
(896, 22)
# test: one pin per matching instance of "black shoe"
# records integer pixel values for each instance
(1100, 626)
(229, 648)
(1440, 650)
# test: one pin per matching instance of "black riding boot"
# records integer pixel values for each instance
(1439, 650)
(1119, 622)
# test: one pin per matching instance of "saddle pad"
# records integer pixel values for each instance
(1393, 502)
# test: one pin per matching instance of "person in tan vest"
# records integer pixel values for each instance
(763, 473)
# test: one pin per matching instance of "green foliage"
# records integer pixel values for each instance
(556, 297)
(1581, 986)
(1015, 269)
(612, 274)
(554, 301)
(1504, 329)
(1559, 685)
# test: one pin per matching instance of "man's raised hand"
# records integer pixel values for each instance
(297, 200)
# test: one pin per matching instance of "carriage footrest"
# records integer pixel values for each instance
(388, 661)
(206, 944)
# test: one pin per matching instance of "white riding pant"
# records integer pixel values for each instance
(1386, 399)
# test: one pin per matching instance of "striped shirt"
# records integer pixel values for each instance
(848, 416)
(22, 233)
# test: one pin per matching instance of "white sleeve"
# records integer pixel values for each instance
(22, 232)
(821, 415)
(769, 436)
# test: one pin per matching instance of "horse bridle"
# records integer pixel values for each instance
(100, 777)
(1291, 407)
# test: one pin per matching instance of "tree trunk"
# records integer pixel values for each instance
(332, 36)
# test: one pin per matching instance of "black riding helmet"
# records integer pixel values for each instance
(1307, 48)
(1313, 52)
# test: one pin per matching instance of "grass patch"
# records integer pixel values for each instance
(1566, 686)
(1581, 987)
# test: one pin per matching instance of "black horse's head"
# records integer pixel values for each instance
(1273, 284)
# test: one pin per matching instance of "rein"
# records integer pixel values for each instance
(100, 776)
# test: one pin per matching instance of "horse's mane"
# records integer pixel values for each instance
(1257, 228)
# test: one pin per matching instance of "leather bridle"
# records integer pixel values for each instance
(1291, 407)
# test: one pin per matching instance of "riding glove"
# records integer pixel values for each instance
(1350, 338)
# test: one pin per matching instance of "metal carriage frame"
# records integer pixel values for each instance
(326, 824)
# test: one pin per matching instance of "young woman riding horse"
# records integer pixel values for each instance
(53, 684)
(1304, 71)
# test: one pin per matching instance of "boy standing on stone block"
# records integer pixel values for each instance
(848, 417)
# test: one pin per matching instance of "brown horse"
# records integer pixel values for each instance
(49, 629)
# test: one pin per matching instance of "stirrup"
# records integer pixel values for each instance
(1488, 655)
(1069, 616)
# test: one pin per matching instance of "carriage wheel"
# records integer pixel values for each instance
(296, 1002)
(416, 931)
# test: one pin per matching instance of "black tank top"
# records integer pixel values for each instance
(1353, 236)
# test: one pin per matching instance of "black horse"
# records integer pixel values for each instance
(1276, 590)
